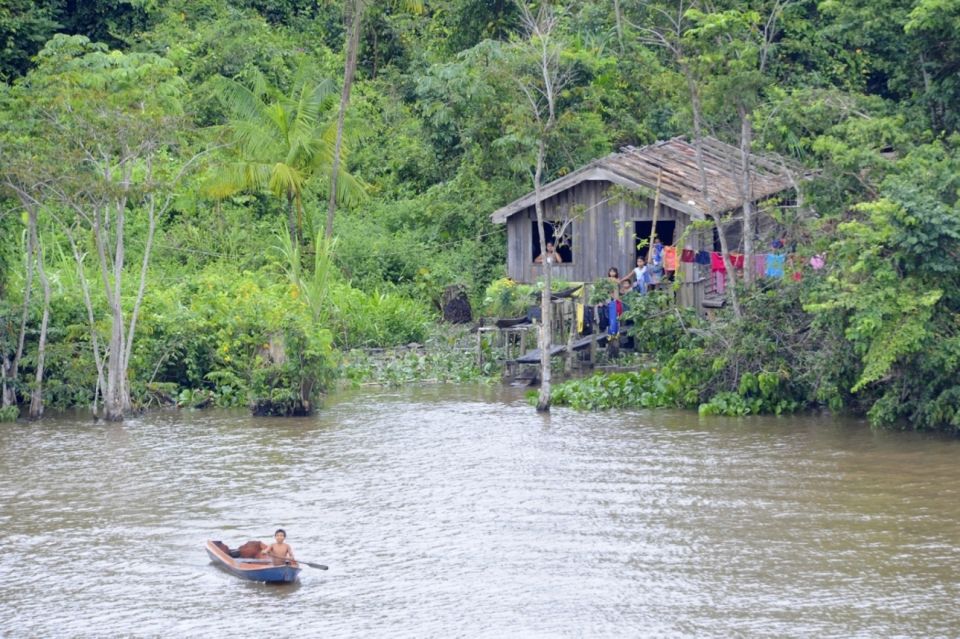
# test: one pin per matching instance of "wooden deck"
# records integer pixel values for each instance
(533, 357)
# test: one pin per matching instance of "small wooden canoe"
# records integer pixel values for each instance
(253, 569)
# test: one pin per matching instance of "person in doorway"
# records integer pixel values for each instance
(280, 550)
(655, 268)
(552, 256)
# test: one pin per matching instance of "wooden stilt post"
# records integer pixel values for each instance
(588, 308)
(479, 348)
(571, 336)
(656, 214)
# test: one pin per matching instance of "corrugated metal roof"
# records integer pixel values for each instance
(680, 181)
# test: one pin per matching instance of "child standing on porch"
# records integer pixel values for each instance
(641, 277)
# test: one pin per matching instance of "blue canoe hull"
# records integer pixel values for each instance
(253, 570)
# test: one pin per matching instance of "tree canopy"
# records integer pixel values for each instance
(106, 108)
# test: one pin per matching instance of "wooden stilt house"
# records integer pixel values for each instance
(608, 207)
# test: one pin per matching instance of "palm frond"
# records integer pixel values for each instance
(254, 140)
(411, 6)
(318, 152)
(281, 119)
(354, 132)
(286, 180)
(234, 177)
(242, 103)
(315, 99)
(350, 189)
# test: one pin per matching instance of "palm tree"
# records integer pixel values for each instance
(279, 142)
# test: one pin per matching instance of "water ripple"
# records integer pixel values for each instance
(460, 512)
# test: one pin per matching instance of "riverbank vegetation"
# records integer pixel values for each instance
(169, 171)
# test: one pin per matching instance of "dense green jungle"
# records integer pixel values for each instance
(232, 202)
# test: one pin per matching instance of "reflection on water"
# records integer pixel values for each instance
(461, 512)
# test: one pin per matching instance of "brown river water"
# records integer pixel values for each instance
(460, 512)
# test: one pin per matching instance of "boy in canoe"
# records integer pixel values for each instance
(280, 550)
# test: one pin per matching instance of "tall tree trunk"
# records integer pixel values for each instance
(113, 398)
(746, 189)
(91, 321)
(350, 67)
(292, 222)
(36, 396)
(7, 391)
(705, 188)
(13, 369)
(545, 337)
(619, 18)
(141, 289)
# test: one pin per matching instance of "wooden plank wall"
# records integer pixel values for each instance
(603, 236)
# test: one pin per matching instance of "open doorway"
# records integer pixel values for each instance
(641, 233)
(563, 245)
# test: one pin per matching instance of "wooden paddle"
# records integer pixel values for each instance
(299, 561)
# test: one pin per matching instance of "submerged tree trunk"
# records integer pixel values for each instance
(541, 94)
(91, 321)
(114, 401)
(545, 337)
(7, 388)
(36, 396)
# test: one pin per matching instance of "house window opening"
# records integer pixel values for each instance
(563, 244)
(665, 232)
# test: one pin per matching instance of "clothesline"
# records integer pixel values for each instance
(773, 265)
(764, 264)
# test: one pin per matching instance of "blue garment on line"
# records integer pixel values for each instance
(658, 253)
(613, 322)
(775, 265)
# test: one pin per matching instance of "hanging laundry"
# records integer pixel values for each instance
(736, 259)
(686, 256)
(720, 281)
(613, 322)
(670, 258)
(658, 247)
(702, 257)
(760, 264)
(716, 263)
(579, 312)
(775, 265)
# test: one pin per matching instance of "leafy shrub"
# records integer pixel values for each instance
(376, 319)
(290, 377)
(639, 389)
(602, 290)
(658, 326)
(394, 368)
(506, 298)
